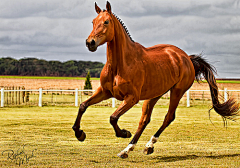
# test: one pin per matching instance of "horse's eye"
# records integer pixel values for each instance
(106, 22)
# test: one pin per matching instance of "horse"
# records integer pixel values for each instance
(133, 73)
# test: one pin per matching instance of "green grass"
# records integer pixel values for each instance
(46, 77)
(223, 81)
(228, 81)
(190, 141)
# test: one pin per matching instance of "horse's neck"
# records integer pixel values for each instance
(119, 49)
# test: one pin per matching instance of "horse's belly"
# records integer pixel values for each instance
(155, 90)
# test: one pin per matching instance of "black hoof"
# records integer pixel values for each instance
(80, 135)
(126, 134)
(148, 150)
(123, 155)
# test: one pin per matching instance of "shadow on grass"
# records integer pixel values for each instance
(189, 157)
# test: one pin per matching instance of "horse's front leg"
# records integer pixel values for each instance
(97, 97)
(128, 103)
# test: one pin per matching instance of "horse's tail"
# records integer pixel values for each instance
(228, 109)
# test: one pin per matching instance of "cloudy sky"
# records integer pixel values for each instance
(57, 29)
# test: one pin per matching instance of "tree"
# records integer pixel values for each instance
(88, 84)
(36, 67)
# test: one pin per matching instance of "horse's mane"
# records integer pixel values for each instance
(125, 28)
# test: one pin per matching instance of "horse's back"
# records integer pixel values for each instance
(160, 49)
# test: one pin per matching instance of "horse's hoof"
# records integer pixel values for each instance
(80, 135)
(123, 155)
(126, 134)
(148, 150)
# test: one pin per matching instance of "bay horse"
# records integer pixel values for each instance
(133, 72)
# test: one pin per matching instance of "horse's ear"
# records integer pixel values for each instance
(108, 6)
(98, 10)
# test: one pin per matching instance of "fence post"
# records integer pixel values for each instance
(225, 95)
(19, 93)
(80, 94)
(76, 97)
(40, 97)
(2, 97)
(113, 102)
(188, 98)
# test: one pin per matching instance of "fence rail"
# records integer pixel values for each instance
(41, 97)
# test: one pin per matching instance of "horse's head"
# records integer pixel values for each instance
(103, 28)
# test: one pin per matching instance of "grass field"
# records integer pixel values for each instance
(42, 137)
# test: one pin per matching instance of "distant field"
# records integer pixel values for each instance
(83, 78)
(44, 137)
(45, 77)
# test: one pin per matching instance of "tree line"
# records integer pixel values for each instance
(40, 67)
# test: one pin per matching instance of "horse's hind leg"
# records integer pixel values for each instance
(97, 97)
(175, 96)
(145, 119)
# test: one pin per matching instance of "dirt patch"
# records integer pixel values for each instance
(221, 86)
(47, 83)
(72, 84)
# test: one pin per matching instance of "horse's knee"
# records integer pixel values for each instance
(83, 107)
(171, 118)
(145, 122)
(113, 119)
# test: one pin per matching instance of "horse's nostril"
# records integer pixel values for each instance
(87, 43)
(93, 42)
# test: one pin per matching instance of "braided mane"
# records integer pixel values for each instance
(125, 28)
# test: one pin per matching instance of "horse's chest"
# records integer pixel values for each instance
(117, 86)
(117, 93)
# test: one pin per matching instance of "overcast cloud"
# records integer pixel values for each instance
(57, 29)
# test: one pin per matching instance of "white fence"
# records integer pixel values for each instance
(113, 102)
(40, 95)
(225, 91)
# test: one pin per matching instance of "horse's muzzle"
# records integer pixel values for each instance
(91, 45)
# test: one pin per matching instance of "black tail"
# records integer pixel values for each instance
(228, 109)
